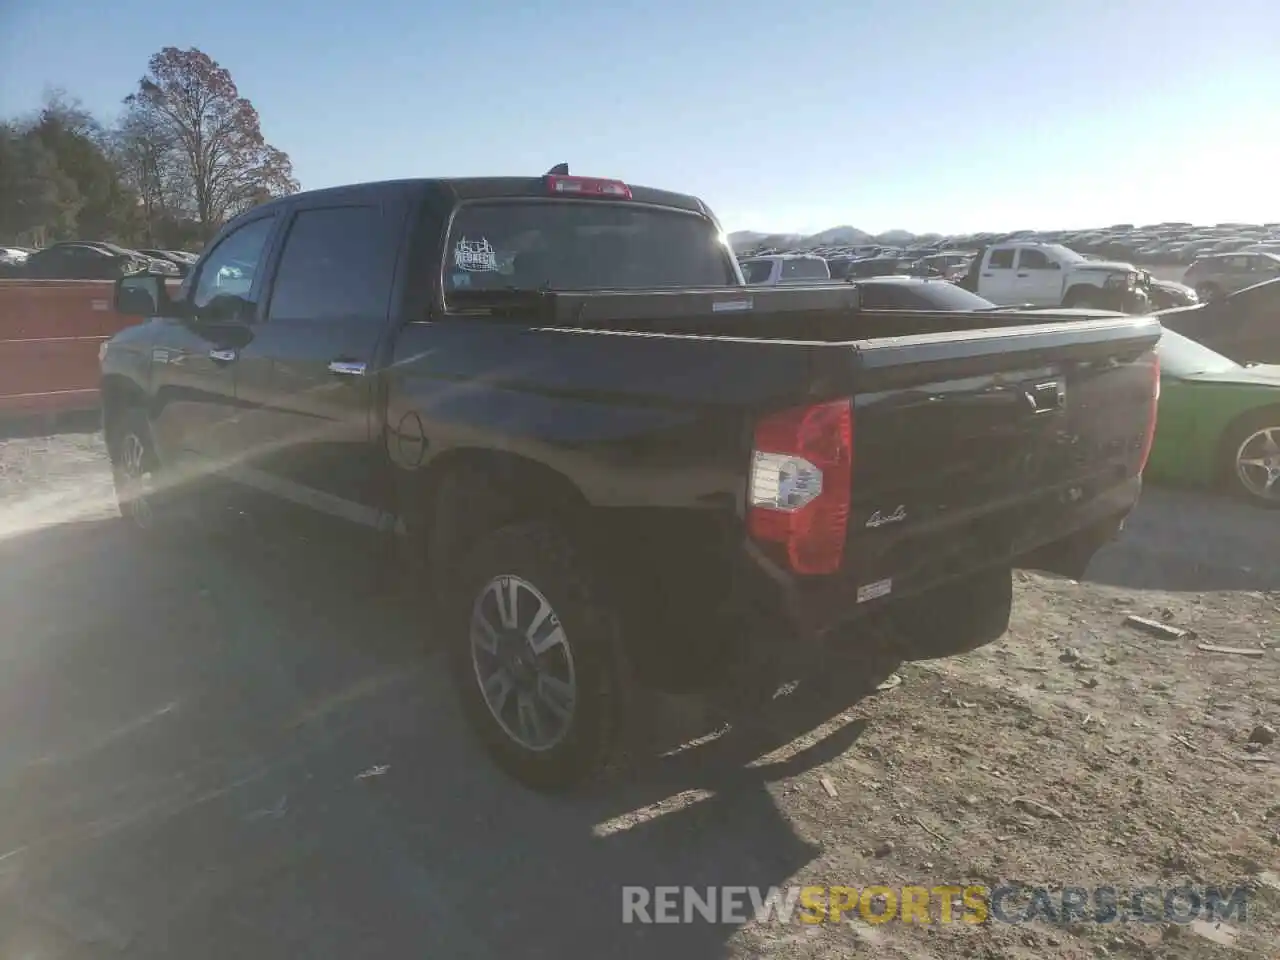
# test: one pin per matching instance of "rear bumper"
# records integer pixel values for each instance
(1059, 529)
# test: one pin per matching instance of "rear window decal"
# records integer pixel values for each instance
(475, 256)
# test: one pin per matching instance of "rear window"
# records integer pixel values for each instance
(582, 245)
(805, 268)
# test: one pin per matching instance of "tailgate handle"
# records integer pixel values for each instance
(1047, 396)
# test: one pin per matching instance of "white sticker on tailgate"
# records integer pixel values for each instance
(869, 591)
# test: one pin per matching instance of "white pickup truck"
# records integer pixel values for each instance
(1051, 275)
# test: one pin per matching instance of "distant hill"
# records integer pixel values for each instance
(844, 235)
(750, 239)
(839, 235)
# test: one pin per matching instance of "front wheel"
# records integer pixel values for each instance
(149, 498)
(1088, 300)
(536, 657)
(1251, 461)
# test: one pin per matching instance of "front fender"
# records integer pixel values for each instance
(126, 358)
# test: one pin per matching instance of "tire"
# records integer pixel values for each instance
(1247, 440)
(150, 501)
(1083, 299)
(554, 720)
(1208, 291)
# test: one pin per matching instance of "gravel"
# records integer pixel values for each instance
(187, 740)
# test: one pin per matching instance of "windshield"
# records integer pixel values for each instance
(1180, 357)
(757, 271)
(1065, 254)
(582, 245)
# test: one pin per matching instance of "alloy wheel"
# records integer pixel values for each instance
(1258, 463)
(523, 663)
(135, 480)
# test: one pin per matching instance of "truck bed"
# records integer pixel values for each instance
(983, 436)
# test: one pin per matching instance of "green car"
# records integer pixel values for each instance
(1219, 422)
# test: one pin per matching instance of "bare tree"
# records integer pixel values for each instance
(147, 156)
(199, 131)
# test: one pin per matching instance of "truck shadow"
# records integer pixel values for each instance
(231, 748)
(1182, 540)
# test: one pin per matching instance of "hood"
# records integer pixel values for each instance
(1263, 375)
(1167, 294)
(1080, 313)
(1171, 285)
(1111, 266)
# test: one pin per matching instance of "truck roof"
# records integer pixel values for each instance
(784, 256)
(453, 189)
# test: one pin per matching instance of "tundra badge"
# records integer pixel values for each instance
(879, 519)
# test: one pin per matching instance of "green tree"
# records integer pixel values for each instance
(38, 201)
(108, 211)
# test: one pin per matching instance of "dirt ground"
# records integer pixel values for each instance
(238, 751)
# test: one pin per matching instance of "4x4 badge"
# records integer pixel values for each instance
(879, 519)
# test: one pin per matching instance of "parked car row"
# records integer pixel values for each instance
(1154, 244)
(1007, 274)
(90, 260)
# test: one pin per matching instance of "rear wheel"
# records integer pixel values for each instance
(536, 657)
(1251, 459)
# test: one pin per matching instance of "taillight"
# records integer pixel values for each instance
(587, 187)
(1149, 437)
(801, 475)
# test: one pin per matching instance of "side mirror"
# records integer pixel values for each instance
(1054, 265)
(142, 295)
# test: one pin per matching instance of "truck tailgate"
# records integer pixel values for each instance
(973, 448)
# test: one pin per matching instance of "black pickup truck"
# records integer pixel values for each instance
(606, 454)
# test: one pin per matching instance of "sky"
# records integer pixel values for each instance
(927, 115)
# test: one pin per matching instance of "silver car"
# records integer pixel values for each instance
(1216, 275)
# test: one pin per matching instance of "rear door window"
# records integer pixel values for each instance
(1032, 259)
(582, 245)
(1001, 259)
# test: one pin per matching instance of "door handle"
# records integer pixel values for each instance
(223, 356)
(986, 274)
(347, 368)
(1024, 275)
